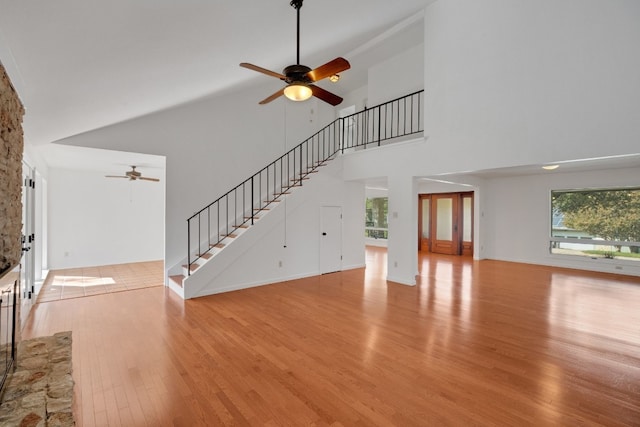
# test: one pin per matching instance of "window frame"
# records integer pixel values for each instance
(555, 240)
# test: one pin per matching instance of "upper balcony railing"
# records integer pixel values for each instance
(242, 205)
(382, 123)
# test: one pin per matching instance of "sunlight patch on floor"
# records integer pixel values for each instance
(88, 281)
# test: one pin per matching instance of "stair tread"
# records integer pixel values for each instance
(217, 245)
(205, 255)
(230, 235)
(178, 278)
(193, 266)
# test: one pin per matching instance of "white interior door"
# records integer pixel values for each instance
(330, 239)
(27, 261)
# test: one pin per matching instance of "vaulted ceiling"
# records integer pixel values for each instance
(79, 65)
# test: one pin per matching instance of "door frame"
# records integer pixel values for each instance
(460, 247)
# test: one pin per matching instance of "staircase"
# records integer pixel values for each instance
(226, 219)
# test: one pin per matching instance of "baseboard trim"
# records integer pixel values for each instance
(402, 280)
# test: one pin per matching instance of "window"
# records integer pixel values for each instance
(376, 211)
(596, 223)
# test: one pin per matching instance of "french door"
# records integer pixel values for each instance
(446, 223)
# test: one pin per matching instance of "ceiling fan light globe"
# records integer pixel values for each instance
(298, 92)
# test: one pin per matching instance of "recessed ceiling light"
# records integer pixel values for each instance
(550, 167)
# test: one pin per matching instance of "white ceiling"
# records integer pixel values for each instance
(79, 65)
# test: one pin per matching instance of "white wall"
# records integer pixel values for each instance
(211, 145)
(428, 186)
(400, 163)
(506, 83)
(397, 76)
(520, 217)
(357, 98)
(94, 220)
(511, 215)
(294, 223)
(510, 83)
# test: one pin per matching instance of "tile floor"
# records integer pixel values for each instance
(81, 282)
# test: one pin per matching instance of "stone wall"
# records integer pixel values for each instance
(11, 148)
(39, 392)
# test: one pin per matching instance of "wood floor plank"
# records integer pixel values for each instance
(90, 281)
(473, 343)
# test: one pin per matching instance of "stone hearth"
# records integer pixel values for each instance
(39, 393)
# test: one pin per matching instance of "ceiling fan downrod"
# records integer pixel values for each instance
(297, 4)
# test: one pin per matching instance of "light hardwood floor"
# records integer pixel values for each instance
(87, 281)
(474, 343)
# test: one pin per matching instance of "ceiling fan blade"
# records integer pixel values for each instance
(262, 70)
(325, 95)
(330, 68)
(272, 97)
(115, 176)
(148, 179)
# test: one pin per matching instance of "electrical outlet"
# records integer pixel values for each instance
(395, 264)
(279, 263)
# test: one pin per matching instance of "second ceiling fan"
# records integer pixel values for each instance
(300, 78)
(133, 175)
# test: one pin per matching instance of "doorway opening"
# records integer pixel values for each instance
(445, 223)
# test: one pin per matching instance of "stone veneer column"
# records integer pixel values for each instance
(39, 393)
(11, 148)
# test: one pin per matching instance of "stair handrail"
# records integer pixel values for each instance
(358, 130)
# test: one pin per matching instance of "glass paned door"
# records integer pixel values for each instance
(424, 227)
(444, 226)
(446, 223)
(467, 224)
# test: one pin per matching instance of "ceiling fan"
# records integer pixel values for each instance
(133, 175)
(300, 78)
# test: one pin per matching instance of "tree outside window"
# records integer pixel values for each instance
(376, 210)
(608, 215)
